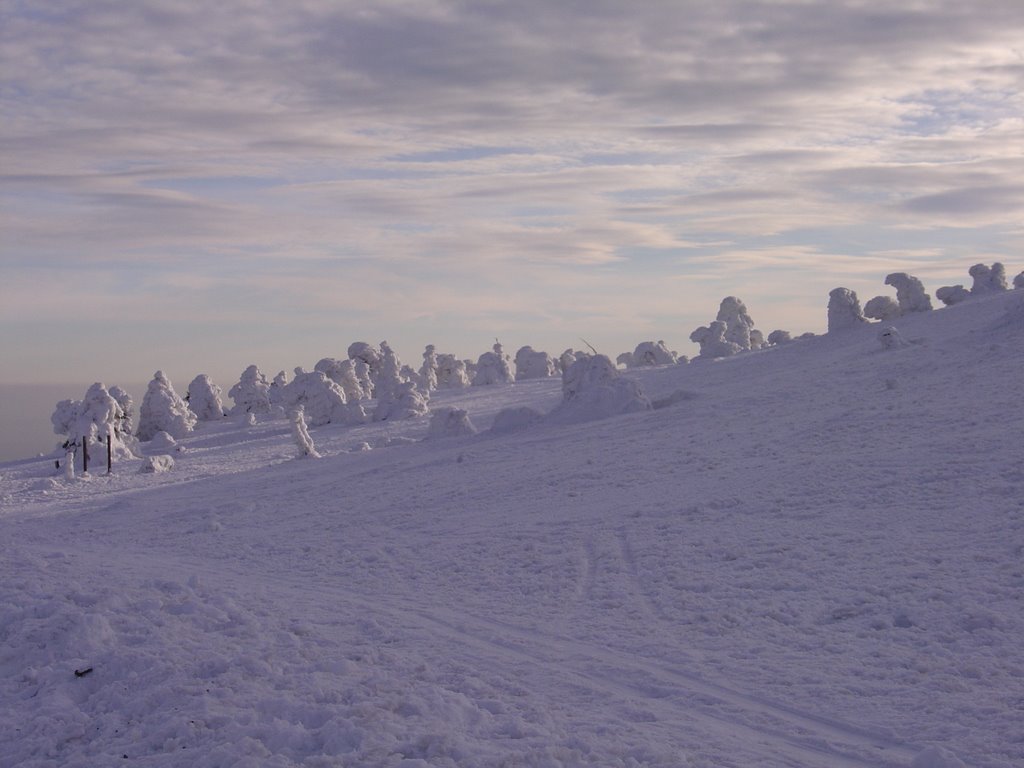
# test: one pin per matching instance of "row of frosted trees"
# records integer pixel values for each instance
(339, 391)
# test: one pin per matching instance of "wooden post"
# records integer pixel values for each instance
(110, 453)
(85, 454)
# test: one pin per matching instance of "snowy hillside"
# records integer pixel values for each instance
(810, 555)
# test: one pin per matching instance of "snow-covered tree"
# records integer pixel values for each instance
(92, 419)
(428, 371)
(844, 310)
(910, 293)
(126, 418)
(494, 368)
(988, 279)
(389, 379)
(779, 337)
(882, 308)
(952, 294)
(649, 353)
(593, 388)
(345, 374)
(322, 400)
(204, 399)
(401, 401)
(368, 361)
(163, 410)
(531, 364)
(738, 323)
(251, 394)
(570, 356)
(712, 342)
(451, 372)
(301, 435)
(1018, 281)
(276, 392)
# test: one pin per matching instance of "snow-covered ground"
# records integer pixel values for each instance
(811, 555)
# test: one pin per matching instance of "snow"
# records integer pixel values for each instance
(807, 555)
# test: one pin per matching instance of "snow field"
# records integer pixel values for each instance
(810, 555)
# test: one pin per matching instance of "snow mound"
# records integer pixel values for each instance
(890, 338)
(514, 419)
(594, 389)
(156, 465)
(937, 757)
(449, 422)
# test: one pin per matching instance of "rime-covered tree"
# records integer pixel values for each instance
(531, 364)
(251, 394)
(164, 411)
(204, 399)
(494, 367)
(844, 310)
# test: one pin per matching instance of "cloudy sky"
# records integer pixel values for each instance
(198, 186)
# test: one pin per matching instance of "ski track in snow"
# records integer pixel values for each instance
(790, 736)
(814, 557)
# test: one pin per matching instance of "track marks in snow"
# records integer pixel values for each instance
(658, 692)
(639, 587)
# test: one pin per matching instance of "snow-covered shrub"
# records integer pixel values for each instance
(625, 360)
(322, 400)
(910, 293)
(163, 409)
(534, 365)
(449, 422)
(844, 310)
(712, 341)
(251, 394)
(649, 353)
(401, 401)
(451, 372)
(890, 338)
(300, 434)
(779, 337)
(738, 323)
(347, 375)
(988, 279)
(1018, 281)
(494, 368)
(204, 399)
(592, 388)
(882, 308)
(952, 294)
(757, 340)
(515, 418)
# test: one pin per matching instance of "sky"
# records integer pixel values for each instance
(199, 186)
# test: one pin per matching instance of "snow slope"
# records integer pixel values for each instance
(811, 555)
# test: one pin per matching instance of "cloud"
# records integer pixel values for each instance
(251, 152)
